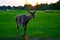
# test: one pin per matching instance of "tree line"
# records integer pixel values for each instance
(52, 6)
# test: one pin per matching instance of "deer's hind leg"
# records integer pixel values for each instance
(17, 32)
(24, 26)
(18, 25)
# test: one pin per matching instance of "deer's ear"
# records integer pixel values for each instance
(34, 11)
(29, 11)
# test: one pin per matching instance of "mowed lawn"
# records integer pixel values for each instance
(46, 23)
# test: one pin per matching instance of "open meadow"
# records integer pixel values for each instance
(46, 24)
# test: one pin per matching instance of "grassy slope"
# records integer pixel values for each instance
(44, 24)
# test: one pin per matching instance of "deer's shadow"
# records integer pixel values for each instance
(26, 37)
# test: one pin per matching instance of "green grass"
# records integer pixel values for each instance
(44, 24)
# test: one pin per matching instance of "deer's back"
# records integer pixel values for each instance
(22, 18)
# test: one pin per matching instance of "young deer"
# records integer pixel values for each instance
(24, 19)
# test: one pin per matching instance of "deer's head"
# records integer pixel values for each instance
(32, 14)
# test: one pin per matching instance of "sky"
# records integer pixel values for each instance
(22, 2)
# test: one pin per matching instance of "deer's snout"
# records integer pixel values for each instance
(33, 17)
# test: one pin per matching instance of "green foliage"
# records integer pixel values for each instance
(52, 6)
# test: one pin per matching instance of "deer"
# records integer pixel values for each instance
(24, 19)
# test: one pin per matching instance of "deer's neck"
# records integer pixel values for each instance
(29, 17)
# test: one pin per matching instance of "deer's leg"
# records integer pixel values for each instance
(24, 26)
(25, 30)
(18, 25)
(17, 32)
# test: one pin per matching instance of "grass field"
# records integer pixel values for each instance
(44, 24)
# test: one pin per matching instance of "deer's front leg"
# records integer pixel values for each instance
(24, 29)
